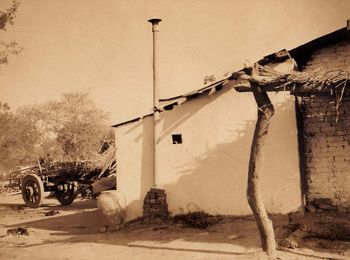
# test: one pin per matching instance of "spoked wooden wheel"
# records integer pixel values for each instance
(67, 195)
(32, 190)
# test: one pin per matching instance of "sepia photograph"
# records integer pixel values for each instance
(183, 129)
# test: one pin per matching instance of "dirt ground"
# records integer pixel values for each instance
(78, 232)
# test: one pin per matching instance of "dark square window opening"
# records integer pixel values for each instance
(177, 139)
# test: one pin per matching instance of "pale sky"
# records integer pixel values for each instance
(105, 46)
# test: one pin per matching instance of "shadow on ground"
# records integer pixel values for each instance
(81, 223)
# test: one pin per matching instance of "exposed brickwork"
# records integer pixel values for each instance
(155, 205)
(327, 149)
(336, 57)
(327, 141)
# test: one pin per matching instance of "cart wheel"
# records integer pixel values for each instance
(66, 197)
(32, 190)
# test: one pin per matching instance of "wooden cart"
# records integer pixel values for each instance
(65, 179)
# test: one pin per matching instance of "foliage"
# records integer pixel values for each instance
(69, 128)
(7, 48)
(198, 219)
(11, 147)
(17, 137)
(8, 16)
(209, 79)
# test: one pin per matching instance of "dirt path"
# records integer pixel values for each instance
(77, 232)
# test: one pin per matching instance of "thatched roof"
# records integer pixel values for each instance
(328, 82)
(298, 83)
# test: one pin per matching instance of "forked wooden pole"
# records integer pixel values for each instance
(254, 194)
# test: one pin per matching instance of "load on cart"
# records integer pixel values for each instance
(67, 180)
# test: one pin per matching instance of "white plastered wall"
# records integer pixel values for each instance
(208, 171)
(134, 143)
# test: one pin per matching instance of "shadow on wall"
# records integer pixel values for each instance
(216, 181)
(137, 178)
(144, 139)
(172, 120)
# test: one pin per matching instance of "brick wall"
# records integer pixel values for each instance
(327, 150)
(331, 58)
(155, 206)
(326, 136)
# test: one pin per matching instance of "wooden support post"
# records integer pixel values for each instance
(40, 168)
(254, 195)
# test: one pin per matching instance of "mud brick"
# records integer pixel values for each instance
(322, 201)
